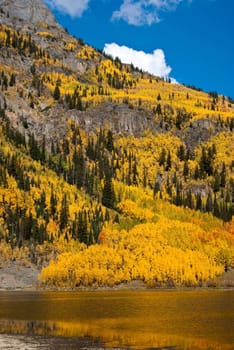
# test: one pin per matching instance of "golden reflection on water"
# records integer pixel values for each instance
(109, 338)
(183, 320)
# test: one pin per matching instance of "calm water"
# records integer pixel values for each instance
(123, 319)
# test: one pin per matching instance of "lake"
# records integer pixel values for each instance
(193, 319)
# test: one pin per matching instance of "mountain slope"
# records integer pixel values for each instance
(109, 92)
(90, 147)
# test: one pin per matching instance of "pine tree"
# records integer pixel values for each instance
(168, 162)
(134, 173)
(216, 182)
(189, 200)
(64, 213)
(198, 202)
(223, 176)
(109, 141)
(108, 195)
(162, 157)
(79, 168)
(216, 210)
(79, 104)
(34, 148)
(186, 170)
(33, 69)
(53, 203)
(209, 202)
(158, 109)
(181, 153)
(57, 93)
(196, 173)
(178, 197)
(12, 80)
(82, 226)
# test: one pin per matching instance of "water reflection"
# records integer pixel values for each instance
(139, 320)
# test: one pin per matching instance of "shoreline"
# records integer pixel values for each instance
(37, 342)
(115, 289)
(19, 278)
(118, 288)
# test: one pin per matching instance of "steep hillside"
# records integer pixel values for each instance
(49, 76)
(95, 152)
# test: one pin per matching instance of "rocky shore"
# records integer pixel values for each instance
(14, 276)
(27, 342)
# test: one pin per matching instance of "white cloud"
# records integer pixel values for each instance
(134, 13)
(153, 63)
(73, 8)
(141, 12)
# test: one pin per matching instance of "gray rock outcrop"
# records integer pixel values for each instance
(31, 11)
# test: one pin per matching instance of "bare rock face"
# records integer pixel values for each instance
(200, 131)
(74, 63)
(30, 11)
(118, 117)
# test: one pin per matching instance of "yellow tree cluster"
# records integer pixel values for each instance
(166, 252)
(224, 143)
(147, 150)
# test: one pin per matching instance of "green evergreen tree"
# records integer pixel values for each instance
(181, 153)
(109, 141)
(64, 213)
(186, 170)
(168, 161)
(216, 210)
(162, 157)
(57, 93)
(209, 202)
(223, 176)
(189, 200)
(53, 203)
(12, 80)
(108, 195)
(82, 227)
(198, 202)
(216, 182)
(134, 173)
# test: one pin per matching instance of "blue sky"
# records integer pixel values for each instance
(189, 40)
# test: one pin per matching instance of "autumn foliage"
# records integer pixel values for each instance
(168, 252)
(104, 207)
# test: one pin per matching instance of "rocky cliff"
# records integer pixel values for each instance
(26, 13)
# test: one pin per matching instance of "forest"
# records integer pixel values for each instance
(103, 207)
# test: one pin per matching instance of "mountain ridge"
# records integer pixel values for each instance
(82, 63)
